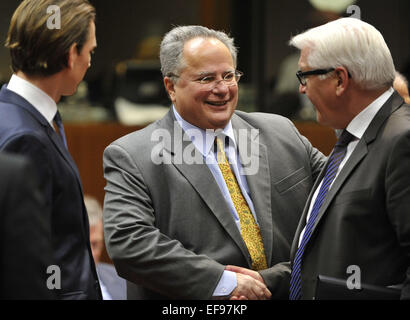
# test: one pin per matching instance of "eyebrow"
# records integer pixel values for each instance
(208, 73)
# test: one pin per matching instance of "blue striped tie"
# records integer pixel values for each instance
(335, 159)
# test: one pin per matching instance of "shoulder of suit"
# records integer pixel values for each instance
(261, 119)
(398, 123)
(142, 136)
(24, 135)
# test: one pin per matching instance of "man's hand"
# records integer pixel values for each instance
(248, 272)
(250, 285)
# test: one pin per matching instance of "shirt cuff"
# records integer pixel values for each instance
(226, 284)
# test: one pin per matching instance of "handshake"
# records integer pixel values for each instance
(250, 285)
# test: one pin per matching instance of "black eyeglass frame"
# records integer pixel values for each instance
(301, 75)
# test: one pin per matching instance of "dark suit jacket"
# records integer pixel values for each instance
(168, 228)
(25, 131)
(365, 219)
(25, 236)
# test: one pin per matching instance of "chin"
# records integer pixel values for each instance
(68, 93)
(222, 117)
(219, 123)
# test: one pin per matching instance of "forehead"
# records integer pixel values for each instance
(303, 59)
(92, 40)
(204, 53)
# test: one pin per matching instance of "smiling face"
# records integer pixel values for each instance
(200, 106)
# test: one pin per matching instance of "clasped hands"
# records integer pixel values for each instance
(250, 285)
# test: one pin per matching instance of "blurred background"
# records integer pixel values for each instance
(124, 83)
(123, 90)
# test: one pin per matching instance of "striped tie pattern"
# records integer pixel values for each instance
(250, 231)
(335, 159)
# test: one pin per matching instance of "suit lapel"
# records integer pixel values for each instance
(11, 97)
(201, 179)
(361, 150)
(254, 159)
(303, 219)
(358, 154)
(58, 143)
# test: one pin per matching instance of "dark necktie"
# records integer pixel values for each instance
(333, 164)
(59, 123)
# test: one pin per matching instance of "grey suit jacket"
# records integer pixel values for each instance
(167, 226)
(365, 219)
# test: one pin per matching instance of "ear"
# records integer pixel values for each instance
(72, 56)
(170, 87)
(343, 80)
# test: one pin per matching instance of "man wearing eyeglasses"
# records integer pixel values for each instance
(355, 228)
(206, 186)
(347, 72)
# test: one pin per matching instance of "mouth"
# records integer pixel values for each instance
(217, 103)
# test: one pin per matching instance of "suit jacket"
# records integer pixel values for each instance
(168, 228)
(365, 219)
(25, 236)
(25, 131)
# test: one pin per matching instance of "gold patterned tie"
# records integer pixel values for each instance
(249, 229)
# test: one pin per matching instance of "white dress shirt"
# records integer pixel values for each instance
(357, 128)
(35, 96)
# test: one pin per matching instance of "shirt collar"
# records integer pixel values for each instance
(35, 96)
(202, 139)
(360, 123)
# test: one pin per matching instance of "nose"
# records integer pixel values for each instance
(220, 87)
(302, 89)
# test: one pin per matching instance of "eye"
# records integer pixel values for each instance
(229, 76)
(206, 79)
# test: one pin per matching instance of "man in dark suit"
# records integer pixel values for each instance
(356, 223)
(25, 237)
(50, 53)
(175, 213)
(112, 286)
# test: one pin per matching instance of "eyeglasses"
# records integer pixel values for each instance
(209, 82)
(302, 75)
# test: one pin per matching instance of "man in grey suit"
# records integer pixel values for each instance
(360, 233)
(171, 224)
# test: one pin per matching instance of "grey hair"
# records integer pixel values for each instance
(94, 210)
(353, 44)
(172, 46)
